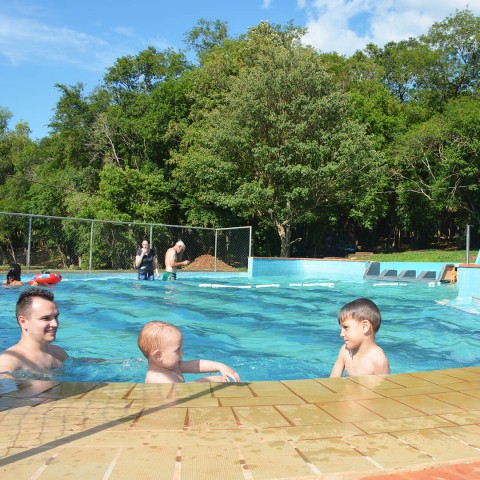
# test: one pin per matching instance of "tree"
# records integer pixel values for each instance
(282, 144)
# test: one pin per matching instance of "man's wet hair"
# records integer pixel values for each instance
(25, 299)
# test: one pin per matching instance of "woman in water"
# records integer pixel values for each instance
(14, 276)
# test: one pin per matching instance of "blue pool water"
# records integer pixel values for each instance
(265, 328)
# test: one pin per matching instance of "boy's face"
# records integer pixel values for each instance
(171, 354)
(353, 332)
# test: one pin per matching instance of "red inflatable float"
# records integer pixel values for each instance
(45, 278)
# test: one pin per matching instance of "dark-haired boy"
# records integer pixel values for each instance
(359, 322)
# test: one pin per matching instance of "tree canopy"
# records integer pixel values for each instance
(379, 148)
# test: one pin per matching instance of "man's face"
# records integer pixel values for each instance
(40, 322)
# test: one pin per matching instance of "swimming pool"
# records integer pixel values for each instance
(265, 328)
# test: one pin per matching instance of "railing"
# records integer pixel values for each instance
(49, 242)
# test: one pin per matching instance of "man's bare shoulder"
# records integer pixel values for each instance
(10, 359)
(58, 352)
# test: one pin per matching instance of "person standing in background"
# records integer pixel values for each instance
(146, 262)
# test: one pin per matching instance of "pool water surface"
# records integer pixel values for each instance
(264, 328)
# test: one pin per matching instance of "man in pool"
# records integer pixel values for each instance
(173, 259)
(37, 316)
(359, 322)
(161, 343)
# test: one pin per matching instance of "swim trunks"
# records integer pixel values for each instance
(169, 276)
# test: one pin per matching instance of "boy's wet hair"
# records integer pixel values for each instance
(150, 337)
(361, 309)
(25, 299)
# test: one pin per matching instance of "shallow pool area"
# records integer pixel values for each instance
(265, 327)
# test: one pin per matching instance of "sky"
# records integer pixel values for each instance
(48, 42)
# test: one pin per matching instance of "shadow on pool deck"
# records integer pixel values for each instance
(298, 429)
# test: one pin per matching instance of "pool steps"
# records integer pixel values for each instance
(374, 272)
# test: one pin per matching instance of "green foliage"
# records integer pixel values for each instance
(304, 146)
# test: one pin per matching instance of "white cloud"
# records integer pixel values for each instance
(27, 40)
(345, 26)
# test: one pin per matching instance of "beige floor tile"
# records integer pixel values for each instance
(219, 418)
(309, 432)
(21, 463)
(106, 438)
(111, 390)
(91, 463)
(388, 451)
(407, 391)
(270, 389)
(140, 390)
(428, 405)
(438, 445)
(469, 434)
(390, 408)
(334, 456)
(203, 401)
(306, 415)
(195, 389)
(274, 460)
(402, 424)
(260, 417)
(435, 377)
(348, 389)
(307, 387)
(205, 463)
(409, 381)
(349, 411)
(145, 462)
(462, 374)
(168, 419)
(459, 399)
(237, 390)
(261, 401)
(377, 382)
(464, 386)
(201, 437)
(464, 418)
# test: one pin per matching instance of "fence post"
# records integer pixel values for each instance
(250, 242)
(91, 248)
(215, 258)
(468, 245)
(29, 242)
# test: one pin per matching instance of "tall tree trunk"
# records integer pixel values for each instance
(284, 232)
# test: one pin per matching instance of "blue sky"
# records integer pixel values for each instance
(44, 42)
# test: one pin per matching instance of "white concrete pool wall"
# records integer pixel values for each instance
(309, 267)
(468, 282)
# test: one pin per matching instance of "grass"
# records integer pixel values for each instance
(443, 256)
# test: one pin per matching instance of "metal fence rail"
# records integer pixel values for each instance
(48, 242)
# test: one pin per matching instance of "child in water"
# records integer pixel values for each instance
(14, 276)
(161, 343)
(360, 355)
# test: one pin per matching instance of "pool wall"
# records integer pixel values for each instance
(302, 267)
(469, 283)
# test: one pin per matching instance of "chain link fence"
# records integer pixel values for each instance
(41, 242)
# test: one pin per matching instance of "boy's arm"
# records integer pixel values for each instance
(339, 365)
(207, 366)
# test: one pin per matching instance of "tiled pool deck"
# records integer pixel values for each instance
(422, 425)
